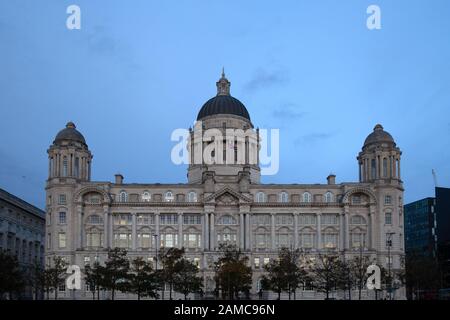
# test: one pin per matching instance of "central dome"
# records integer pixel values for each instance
(223, 102)
(223, 105)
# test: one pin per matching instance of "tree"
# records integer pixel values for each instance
(36, 279)
(358, 269)
(187, 280)
(11, 276)
(54, 276)
(115, 273)
(232, 273)
(142, 280)
(93, 276)
(326, 273)
(276, 279)
(169, 257)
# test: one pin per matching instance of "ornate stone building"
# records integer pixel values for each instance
(22, 228)
(224, 203)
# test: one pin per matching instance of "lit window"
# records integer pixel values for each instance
(266, 261)
(283, 197)
(87, 260)
(145, 219)
(62, 240)
(306, 197)
(123, 196)
(122, 240)
(328, 197)
(62, 218)
(146, 196)
(144, 240)
(94, 239)
(192, 240)
(168, 197)
(122, 219)
(192, 196)
(256, 263)
(227, 237)
(169, 240)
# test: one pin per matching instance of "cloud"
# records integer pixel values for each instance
(288, 111)
(312, 138)
(263, 78)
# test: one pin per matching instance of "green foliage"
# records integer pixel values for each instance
(115, 274)
(186, 279)
(143, 280)
(169, 258)
(232, 273)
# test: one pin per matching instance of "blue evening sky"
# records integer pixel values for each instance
(137, 70)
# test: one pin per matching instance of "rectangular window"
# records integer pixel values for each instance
(77, 167)
(87, 260)
(62, 287)
(262, 240)
(145, 219)
(49, 241)
(307, 240)
(94, 239)
(385, 167)
(62, 199)
(256, 261)
(388, 218)
(144, 240)
(169, 240)
(62, 218)
(329, 219)
(356, 199)
(192, 219)
(62, 239)
(387, 200)
(192, 240)
(123, 219)
(330, 240)
(122, 240)
(284, 219)
(168, 219)
(266, 261)
(373, 169)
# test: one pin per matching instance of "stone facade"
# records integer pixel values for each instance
(22, 233)
(224, 203)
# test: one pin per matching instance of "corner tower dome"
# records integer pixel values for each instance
(223, 102)
(379, 136)
(69, 133)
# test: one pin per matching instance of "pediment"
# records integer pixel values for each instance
(227, 196)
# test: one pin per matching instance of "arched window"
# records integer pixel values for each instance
(306, 197)
(192, 196)
(123, 196)
(385, 167)
(168, 197)
(328, 197)
(146, 196)
(260, 197)
(283, 197)
(226, 220)
(65, 166)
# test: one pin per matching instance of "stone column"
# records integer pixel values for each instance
(158, 236)
(105, 226)
(272, 231)
(342, 231)
(248, 231)
(180, 230)
(202, 242)
(371, 228)
(111, 230)
(241, 231)
(206, 230)
(80, 227)
(319, 230)
(133, 231)
(346, 230)
(399, 176)
(295, 230)
(213, 233)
